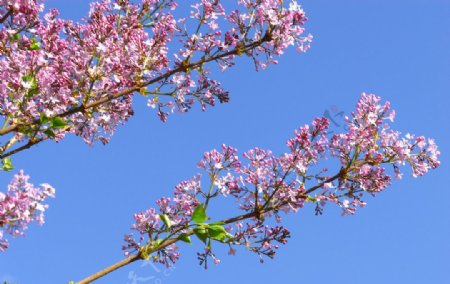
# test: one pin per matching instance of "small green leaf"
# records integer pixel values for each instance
(7, 165)
(33, 88)
(218, 232)
(32, 92)
(15, 37)
(199, 215)
(50, 133)
(144, 252)
(35, 45)
(43, 119)
(265, 196)
(185, 238)
(25, 130)
(201, 233)
(157, 243)
(57, 122)
(27, 78)
(166, 220)
(310, 199)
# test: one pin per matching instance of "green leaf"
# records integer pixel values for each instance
(166, 220)
(34, 88)
(310, 199)
(15, 37)
(25, 130)
(50, 133)
(43, 119)
(201, 233)
(144, 252)
(27, 78)
(199, 215)
(32, 92)
(218, 232)
(185, 238)
(156, 243)
(7, 165)
(35, 45)
(57, 122)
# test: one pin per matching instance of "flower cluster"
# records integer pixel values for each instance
(370, 145)
(22, 204)
(59, 77)
(266, 185)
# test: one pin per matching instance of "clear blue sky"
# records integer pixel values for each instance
(399, 50)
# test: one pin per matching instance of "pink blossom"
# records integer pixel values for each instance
(86, 74)
(265, 185)
(20, 205)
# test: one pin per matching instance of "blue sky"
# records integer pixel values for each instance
(398, 50)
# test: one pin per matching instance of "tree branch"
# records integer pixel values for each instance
(84, 107)
(30, 143)
(109, 269)
(252, 214)
(3, 19)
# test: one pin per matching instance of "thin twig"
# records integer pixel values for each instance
(3, 19)
(164, 244)
(128, 91)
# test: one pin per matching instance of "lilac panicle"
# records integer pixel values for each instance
(22, 204)
(366, 159)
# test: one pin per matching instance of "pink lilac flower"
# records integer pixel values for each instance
(22, 204)
(265, 185)
(85, 74)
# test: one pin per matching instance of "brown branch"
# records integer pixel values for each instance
(128, 91)
(111, 268)
(3, 19)
(253, 214)
(31, 142)
(24, 147)
(336, 176)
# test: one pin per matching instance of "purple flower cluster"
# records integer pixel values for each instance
(365, 159)
(59, 77)
(22, 204)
